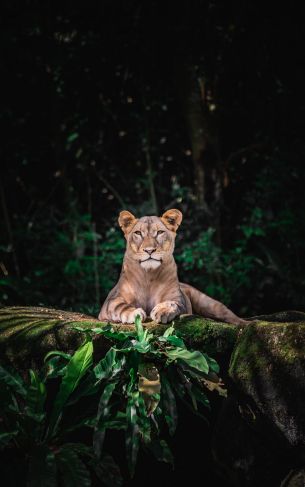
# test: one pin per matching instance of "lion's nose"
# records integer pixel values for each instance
(149, 250)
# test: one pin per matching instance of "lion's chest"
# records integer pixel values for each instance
(149, 295)
(146, 299)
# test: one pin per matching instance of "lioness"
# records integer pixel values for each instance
(148, 284)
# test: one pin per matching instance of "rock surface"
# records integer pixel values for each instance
(28, 333)
(260, 433)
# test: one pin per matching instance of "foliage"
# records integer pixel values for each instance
(257, 269)
(94, 127)
(133, 388)
(86, 263)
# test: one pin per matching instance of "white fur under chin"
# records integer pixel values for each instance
(150, 264)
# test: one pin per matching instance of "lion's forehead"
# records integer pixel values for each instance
(149, 224)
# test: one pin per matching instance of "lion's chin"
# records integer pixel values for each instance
(150, 264)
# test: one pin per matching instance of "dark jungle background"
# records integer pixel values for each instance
(145, 106)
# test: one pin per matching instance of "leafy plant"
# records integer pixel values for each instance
(133, 388)
(39, 432)
(149, 373)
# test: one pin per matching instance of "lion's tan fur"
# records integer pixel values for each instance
(148, 284)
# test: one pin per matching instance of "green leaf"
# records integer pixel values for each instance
(72, 469)
(161, 451)
(169, 406)
(133, 380)
(169, 331)
(80, 448)
(135, 345)
(132, 433)
(13, 380)
(6, 437)
(42, 468)
(213, 365)
(200, 395)
(175, 341)
(119, 422)
(141, 347)
(57, 353)
(102, 414)
(87, 387)
(194, 359)
(76, 368)
(139, 328)
(109, 332)
(55, 367)
(36, 394)
(110, 365)
(72, 137)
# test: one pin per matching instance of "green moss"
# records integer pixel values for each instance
(208, 335)
(264, 346)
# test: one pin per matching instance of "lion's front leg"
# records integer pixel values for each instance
(165, 312)
(119, 311)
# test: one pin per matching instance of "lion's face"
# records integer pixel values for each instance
(150, 240)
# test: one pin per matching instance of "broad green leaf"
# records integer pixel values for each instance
(141, 347)
(139, 328)
(169, 331)
(54, 367)
(213, 365)
(180, 391)
(144, 420)
(132, 433)
(120, 336)
(36, 394)
(86, 387)
(102, 414)
(169, 406)
(147, 337)
(6, 437)
(42, 468)
(13, 380)
(135, 346)
(57, 353)
(133, 380)
(110, 365)
(161, 451)
(118, 423)
(72, 137)
(7, 398)
(175, 341)
(79, 448)
(73, 471)
(76, 368)
(194, 359)
(109, 332)
(200, 395)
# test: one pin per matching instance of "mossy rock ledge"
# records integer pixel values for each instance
(259, 434)
(259, 438)
(28, 333)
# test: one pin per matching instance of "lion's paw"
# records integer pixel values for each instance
(130, 316)
(164, 312)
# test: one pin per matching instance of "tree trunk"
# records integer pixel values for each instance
(198, 107)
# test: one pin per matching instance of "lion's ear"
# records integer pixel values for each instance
(126, 221)
(172, 219)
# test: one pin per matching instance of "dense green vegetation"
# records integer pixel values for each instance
(134, 388)
(144, 107)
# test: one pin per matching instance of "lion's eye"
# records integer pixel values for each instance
(160, 232)
(137, 232)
